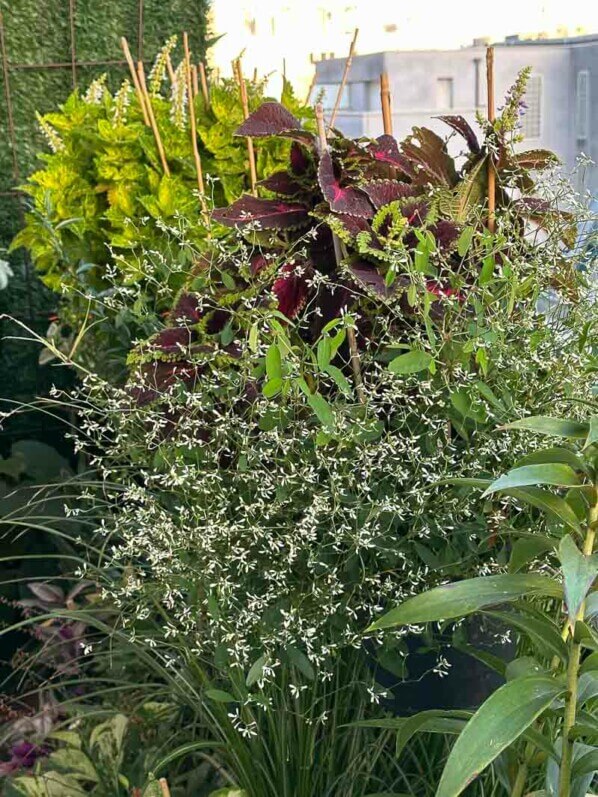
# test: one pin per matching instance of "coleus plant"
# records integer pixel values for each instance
(404, 213)
(541, 724)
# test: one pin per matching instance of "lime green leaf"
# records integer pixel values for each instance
(464, 241)
(324, 353)
(73, 762)
(465, 597)
(340, 379)
(501, 720)
(411, 362)
(579, 572)
(554, 473)
(322, 409)
(272, 387)
(554, 427)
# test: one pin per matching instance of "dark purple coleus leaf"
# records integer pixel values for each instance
(299, 159)
(341, 199)
(446, 233)
(281, 183)
(386, 150)
(270, 119)
(159, 376)
(269, 214)
(173, 340)
(368, 275)
(187, 309)
(291, 288)
(462, 126)
(429, 158)
(383, 192)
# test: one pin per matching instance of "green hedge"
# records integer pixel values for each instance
(39, 33)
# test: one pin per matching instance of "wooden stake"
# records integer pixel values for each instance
(203, 79)
(341, 88)
(491, 117)
(194, 80)
(196, 158)
(170, 69)
(386, 104)
(164, 786)
(311, 88)
(338, 254)
(245, 104)
(125, 45)
(152, 118)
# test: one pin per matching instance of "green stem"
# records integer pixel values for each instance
(521, 778)
(572, 675)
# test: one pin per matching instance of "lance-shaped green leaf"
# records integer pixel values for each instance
(411, 362)
(501, 720)
(547, 502)
(579, 572)
(553, 473)
(592, 438)
(553, 454)
(465, 597)
(553, 427)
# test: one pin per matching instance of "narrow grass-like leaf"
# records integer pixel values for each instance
(553, 427)
(547, 502)
(553, 473)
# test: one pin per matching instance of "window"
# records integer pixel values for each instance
(582, 106)
(445, 93)
(532, 118)
(328, 92)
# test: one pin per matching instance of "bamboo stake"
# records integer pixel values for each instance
(338, 254)
(311, 88)
(194, 80)
(250, 149)
(170, 69)
(386, 104)
(125, 46)
(73, 46)
(341, 88)
(491, 117)
(164, 786)
(196, 158)
(152, 118)
(203, 79)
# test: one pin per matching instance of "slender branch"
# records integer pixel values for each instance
(341, 88)
(385, 101)
(194, 80)
(152, 117)
(338, 254)
(169, 69)
(196, 158)
(491, 117)
(135, 77)
(311, 88)
(245, 104)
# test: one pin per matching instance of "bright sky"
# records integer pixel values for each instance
(444, 23)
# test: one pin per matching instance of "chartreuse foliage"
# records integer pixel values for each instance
(543, 717)
(102, 201)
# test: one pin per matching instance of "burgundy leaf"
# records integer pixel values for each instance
(173, 340)
(462, 126)
(443, 290)
(386, 150)
(341, 200)
(257, 262)
(428, 155)
(217, 320)
(281, 183)
(299, 160)
(159, 376)
(383, 192)
(446, 233)
(291, 289)
(368, 275)
(270, 214)
(187, 310)
(270, 119)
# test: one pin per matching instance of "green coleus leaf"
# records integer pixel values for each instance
(553, 473)
(465, 597)
(500, 721)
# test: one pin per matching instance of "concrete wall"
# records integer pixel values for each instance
(414, 85)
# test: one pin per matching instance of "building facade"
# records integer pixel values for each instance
(562, 98)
